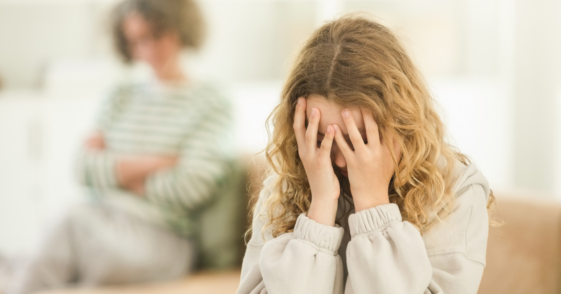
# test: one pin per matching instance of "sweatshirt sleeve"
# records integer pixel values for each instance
(96, 168)
(388, 255)
(305, 261)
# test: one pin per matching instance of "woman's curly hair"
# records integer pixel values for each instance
(357, 62)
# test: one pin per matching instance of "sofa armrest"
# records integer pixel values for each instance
(523, 255)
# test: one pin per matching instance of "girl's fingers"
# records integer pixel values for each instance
(312, 131)
(372, 133)
(300, 122)
(341, 142)
(354, 134)
(325, 149)
(395, 145)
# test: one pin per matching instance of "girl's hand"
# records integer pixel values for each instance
(317, 163)
(370, 166)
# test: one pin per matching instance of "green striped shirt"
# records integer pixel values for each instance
(194, 123)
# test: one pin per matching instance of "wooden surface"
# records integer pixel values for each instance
(200, 283)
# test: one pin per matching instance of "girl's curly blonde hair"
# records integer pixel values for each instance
(357, 62)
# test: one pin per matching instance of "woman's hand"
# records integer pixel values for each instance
(317, 163)
(96, 141)
(132, 170)
(370, 165)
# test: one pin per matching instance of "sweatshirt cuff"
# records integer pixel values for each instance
(323, 236)
(374, 219)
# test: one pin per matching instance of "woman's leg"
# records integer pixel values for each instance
(100, 245)
(51, 266)
(128, 250)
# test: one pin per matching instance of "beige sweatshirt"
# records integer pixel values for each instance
(381, 253)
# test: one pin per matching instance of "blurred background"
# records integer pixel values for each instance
(493, 65)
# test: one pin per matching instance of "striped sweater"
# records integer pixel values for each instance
(191, 122)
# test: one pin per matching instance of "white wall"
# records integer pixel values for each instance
(535, 83)
(493, 65)
(33, 35)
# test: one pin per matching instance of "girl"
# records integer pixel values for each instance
(161, 152)
(365, 195)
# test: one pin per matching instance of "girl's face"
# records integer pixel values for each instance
(158, 50)
(330, 113)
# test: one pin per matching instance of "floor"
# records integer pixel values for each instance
(200, 283)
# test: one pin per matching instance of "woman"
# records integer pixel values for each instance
(160, 153)
(365, 195)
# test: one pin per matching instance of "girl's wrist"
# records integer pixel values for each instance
(371, 200)
(323, 212)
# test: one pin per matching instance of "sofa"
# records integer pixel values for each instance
(523, 254)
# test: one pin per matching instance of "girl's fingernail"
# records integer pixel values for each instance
(329, 129)
(314, 112)
(300, 100)
(345, 113)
